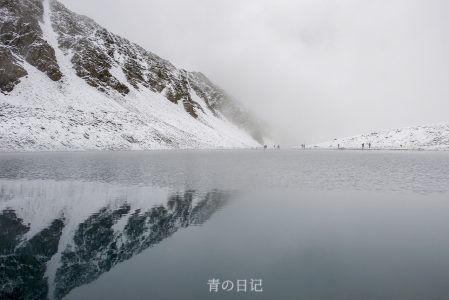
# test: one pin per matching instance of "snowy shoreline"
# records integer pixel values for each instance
(376, 149)
(129, 150)
(94, 151)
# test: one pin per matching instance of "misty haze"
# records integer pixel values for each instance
(313, 70)
(212, 149)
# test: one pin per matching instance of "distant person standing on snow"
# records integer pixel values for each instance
(369, 145)
(363, 146)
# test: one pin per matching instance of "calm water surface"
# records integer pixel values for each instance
(159, 225)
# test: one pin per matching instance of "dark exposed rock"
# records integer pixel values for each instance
(130, 139)
(88, 41)
(12, 231)
(94, 66)
(10, 70)
(41, 55)
(24, 263)
(20, 32)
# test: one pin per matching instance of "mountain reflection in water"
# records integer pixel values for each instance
(70, 251)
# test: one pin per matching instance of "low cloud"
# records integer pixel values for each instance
(313, 69)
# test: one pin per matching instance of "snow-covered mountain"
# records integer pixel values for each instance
(66, 83)
(430, 137)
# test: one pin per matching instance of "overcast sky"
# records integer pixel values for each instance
(314, 70)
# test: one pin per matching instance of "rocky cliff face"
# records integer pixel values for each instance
(21, 39)
(43, 38)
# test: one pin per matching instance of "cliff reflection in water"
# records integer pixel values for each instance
(66, 253)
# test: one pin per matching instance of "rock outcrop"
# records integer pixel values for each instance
(21, 37)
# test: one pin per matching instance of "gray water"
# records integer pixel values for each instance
(159, 225)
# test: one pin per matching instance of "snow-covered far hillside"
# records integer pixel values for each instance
(428, 137)
(66, 83)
